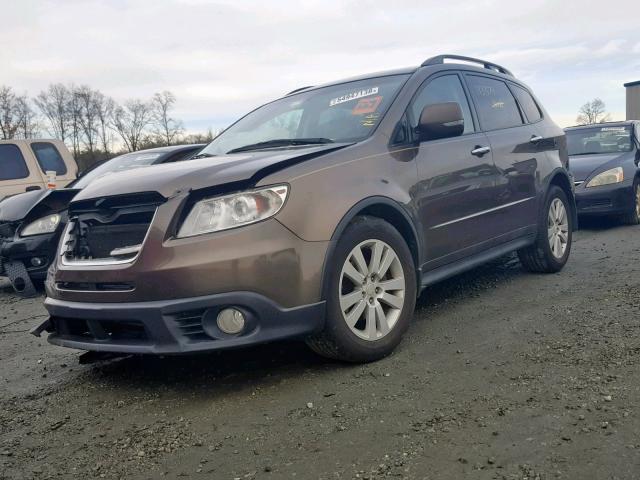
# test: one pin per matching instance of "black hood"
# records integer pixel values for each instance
(582, 166)
(30, 204)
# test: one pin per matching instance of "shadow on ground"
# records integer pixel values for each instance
(237, 369)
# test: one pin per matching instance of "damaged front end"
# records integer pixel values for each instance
(30, 229)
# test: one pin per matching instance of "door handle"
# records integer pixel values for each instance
(479, 151)
(536, 138)
(32, 188)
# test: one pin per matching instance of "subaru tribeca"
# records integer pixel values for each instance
(321, 215)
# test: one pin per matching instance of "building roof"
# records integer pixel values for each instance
(632, 84)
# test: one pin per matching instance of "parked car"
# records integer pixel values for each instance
(604, 162)
(24, 163)
(31, 223)
(323, 216)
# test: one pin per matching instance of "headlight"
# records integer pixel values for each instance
(230, 211)
(615, 175)
(46, 224)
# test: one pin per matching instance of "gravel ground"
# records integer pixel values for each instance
(503, 374)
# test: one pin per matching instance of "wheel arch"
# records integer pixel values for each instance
(388, 210)
(561, 179)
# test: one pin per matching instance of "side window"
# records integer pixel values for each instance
(527, 103)
(12, 164)
(447, 88)
(494, 102)
(49, 158)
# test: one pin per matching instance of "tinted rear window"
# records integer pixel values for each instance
(495, 104)
(528, 104)
(49, 158)
(12, 164)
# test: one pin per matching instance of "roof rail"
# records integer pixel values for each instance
(298, 90)
(438, 60)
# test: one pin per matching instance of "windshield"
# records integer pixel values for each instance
(117, 164)
(589, 141)
(339, 113)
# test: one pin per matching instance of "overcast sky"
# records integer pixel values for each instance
(223, 57)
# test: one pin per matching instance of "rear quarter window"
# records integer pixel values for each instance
(528, 104)
(49, 158)
(12, 164)
(496, 106)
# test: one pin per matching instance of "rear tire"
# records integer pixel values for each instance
(370, 293)
(552, 247)
(633, 217)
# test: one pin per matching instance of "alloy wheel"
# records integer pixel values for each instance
(372, 289)
(558, 228)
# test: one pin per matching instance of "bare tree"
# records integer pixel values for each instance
(74, 111)
(130, 122)
(104, 106)
(593, 112)
(28, 124)
(54, 103)
(9, 116)
(87, 116)
(166, 128)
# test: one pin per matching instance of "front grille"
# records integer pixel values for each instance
(110, 230)
(189, 324)
(7, 230)
(101, 330)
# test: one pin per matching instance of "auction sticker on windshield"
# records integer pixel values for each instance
(353, 96)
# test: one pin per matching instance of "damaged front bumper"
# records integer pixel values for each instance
(186, 325)
(27, 259)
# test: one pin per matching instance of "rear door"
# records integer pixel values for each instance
(18, 173)
(516, 153)
(456, 177)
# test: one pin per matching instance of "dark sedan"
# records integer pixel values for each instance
(604, 161)
(31, 223)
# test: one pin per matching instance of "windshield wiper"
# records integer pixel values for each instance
(281, 142)
(586, 153)
(202, 155)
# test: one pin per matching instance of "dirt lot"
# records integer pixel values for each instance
(503, 374)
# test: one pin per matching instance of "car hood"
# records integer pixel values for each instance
(18, 207)
(582, 166)
(173, 178)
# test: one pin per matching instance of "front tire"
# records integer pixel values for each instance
(633, 217)
(552, 247)
(370, 294)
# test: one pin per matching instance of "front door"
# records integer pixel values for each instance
(456, 179)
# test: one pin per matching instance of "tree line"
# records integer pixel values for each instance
(93, 125)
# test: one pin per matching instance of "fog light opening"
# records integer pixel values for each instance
(37, 261)
(231, 321)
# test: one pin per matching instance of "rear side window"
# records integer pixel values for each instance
(494, 102)
(49, 158)
(12, 164)
(447, 88)
(527, 103)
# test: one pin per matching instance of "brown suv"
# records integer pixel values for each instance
(320, 215)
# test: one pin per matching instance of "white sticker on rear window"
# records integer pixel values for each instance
(613, 129)
(353, 96)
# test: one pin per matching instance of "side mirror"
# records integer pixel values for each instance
(441, 120)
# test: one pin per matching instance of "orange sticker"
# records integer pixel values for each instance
(366, 105)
